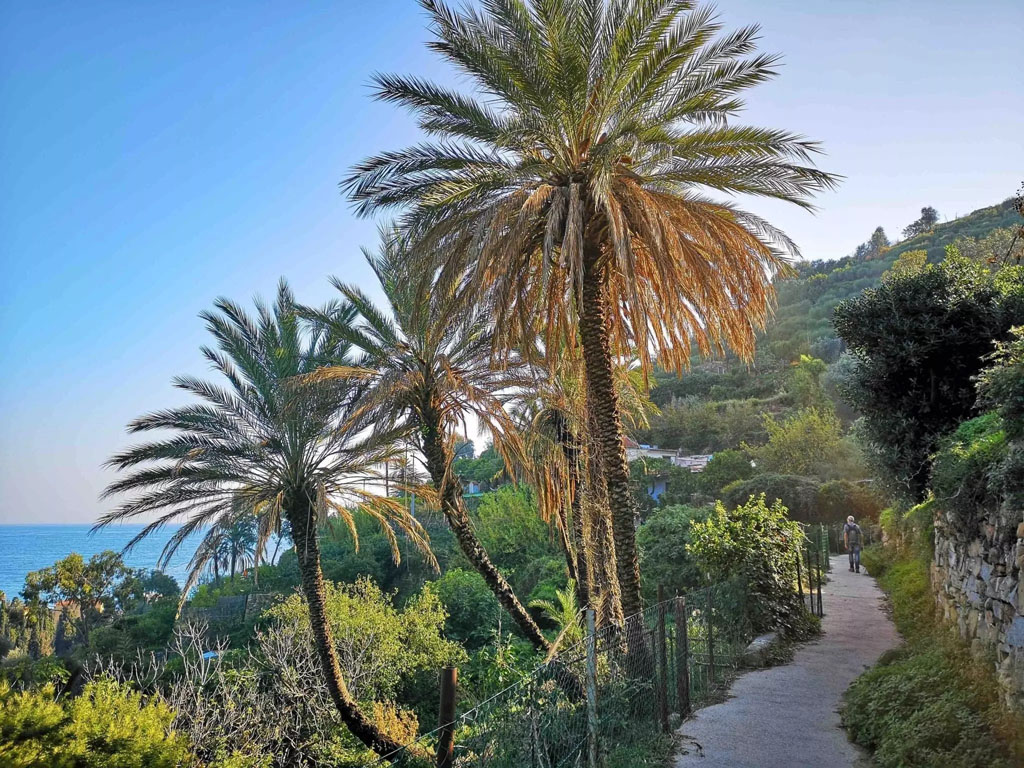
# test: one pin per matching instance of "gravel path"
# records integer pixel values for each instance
(787, 716)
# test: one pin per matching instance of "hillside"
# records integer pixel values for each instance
(722, 405)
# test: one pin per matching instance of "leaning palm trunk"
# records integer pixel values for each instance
(438, 459)
(603, 404)
(300, 512)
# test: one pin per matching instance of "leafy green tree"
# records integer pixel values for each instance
(275, 444)
(572, 184)
(88, 592)
(808, 443)
(1001, 383)
(473, 610)
(379, 645)
(919, 339)
(665, 557)
(487, 469)
(805, 382)
(928, 219)
(761, 542)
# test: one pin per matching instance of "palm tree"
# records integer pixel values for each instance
(562, 449)
(270, 445)
(426, 362)
(572, 182)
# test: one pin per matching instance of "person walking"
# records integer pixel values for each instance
(852, 538)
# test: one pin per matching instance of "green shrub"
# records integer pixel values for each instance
(379, 645)
(107, 726)
(760, 542)
(921, 709)
(473, 610)
(665, 559)
(963, 466)
(928, 703)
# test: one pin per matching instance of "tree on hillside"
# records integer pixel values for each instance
(572, 185)
(918, 340)
(269, 445)
(424, 368)
(928, 219)
(85, 591)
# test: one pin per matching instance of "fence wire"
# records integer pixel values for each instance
(618, 687)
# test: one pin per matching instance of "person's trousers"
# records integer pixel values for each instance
(855, 556)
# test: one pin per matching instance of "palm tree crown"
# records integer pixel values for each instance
(247, 446)
(601, 123)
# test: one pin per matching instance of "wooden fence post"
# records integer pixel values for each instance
(711, 639)
(591, 689)
(682, 658)
(662, 663)
(446, 718)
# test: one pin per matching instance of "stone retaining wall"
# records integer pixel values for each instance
(979, 589)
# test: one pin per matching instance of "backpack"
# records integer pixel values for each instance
(853, 533)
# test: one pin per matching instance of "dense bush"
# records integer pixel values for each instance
(665, 558)
(760, 542)
(929, 703)
(107, 726)
(922, 707)
(963, 469)
(808, 443)
(378, 644)
(798, 494)
(473, 610)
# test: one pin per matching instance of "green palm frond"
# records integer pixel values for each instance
(268, 432)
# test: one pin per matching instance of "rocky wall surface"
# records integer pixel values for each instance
(979, 589)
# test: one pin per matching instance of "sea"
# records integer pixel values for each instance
(25, 548)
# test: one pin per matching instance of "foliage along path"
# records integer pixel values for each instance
(787, 716)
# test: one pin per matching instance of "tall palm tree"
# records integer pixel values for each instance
(572, 181)
(426, 361)
(268, 444)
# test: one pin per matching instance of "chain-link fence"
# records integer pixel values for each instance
(617, 689)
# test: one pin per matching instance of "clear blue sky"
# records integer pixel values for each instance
(156, 155)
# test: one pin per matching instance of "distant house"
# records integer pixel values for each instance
(635, 450)
(695, 463)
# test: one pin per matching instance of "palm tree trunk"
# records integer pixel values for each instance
(439, 461)
(603, 403)
(575, 547)
(302, 516)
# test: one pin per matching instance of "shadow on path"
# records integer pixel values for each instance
(787, 716)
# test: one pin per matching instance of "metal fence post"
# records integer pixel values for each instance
(821, 611)
(711, 639)
(446, 718)
(592, 743)
(682, 658)
(662, 663)
(799, 579)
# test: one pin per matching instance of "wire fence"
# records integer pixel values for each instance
(617, 689)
